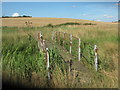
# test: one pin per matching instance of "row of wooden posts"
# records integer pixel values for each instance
(79, 47)
(42, 47)
(70, 50)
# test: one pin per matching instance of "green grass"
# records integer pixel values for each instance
(23, 62)
(21, 58)
(68, 23)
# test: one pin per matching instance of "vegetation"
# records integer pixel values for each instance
(21, 58)
(24, 64)
(66, 24)
(15, 17)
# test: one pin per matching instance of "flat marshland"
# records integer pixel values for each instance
(24, 64)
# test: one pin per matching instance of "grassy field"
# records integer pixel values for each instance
(24, 64)
(20, 22)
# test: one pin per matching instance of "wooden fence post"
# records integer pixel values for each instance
(70, 64)
(59, 37)
(48, 64)
(43, 45)
(41, 42)
(63, 38)
(70, 51)
(96, 57)
(53, 35)
(70, 43)
(79, 50)
(38, 36)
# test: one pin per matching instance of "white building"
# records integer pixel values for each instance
(15, 15)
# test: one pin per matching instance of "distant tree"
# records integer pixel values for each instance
(24, 16)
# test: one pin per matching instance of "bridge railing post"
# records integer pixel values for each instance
(79, 49)
(96, 57)
(70, 43)
(48, 63)
(64, 38)
(38, 37)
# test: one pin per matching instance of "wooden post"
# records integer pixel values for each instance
(48, 64)
(79, 50)
(69, 67)
(38, 36)
(96, 57)
(53, 35)
(40, 42)
(70, 43)
(57, 40)
(70, 64)
(43, 46)
(63, 38)
(70, 51)
(59, 37)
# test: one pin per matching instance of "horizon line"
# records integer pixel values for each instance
(59, 17)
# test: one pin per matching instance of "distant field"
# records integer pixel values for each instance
(43, 21)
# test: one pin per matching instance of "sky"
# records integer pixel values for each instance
(98, 11)
(60, 0)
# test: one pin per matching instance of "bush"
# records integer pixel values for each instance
(88, 24)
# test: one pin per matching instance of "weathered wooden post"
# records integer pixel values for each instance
(59, 37)
(48, 64)
(38, 36)
(40, 42)
(79, 50)
(63, 38)
(57, 40)
(70, 52)
(43, 45)
(96, 57)
(53, 35)
(70, 64)
(70, 43)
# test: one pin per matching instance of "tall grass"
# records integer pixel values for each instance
(24, 63)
